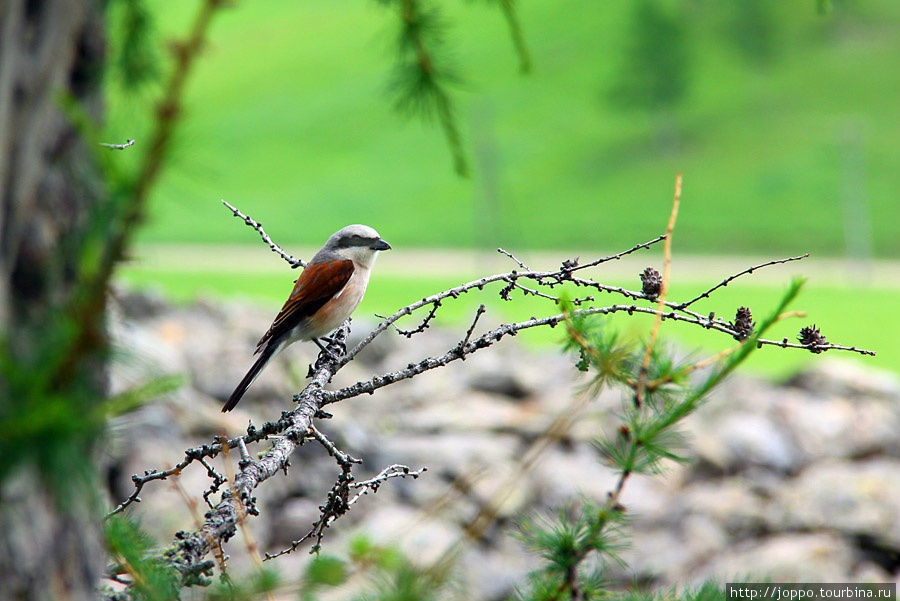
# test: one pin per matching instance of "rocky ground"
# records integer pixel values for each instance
(798, 481)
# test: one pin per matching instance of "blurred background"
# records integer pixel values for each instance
(555, 130)
(782, 116)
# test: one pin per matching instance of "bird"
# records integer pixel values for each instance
(326, 293)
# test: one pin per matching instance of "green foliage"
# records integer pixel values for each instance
(752, 28)
(389, 574)
(576, 531)
(695, 396)
(250, 588)
(605, 355)
(394, 577)
(131, 548)
(515, 31)
(134, 58)
(51, 428)
(654, 71)
(321, 572)
(139, 395)
(708, 591)
(365, 553)
(423, 72)
(657, 395)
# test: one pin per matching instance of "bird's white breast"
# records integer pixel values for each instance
(335, 311)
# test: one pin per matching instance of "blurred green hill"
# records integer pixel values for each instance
(784, 122)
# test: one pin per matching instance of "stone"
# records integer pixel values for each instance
(474, 411)
(846, 378)
(786, 557)
(731, 502)
(840, 427)
(793, 482)
(423, 539)
(854, 497)
(743, 438)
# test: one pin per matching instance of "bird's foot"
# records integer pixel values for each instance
(336, 341)
(327, 353)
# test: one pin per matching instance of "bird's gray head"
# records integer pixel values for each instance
(360, 243)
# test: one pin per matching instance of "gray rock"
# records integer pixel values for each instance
(790, 557)
(744, 438)
(853, 497)
(493, 573)
(424, 539)
(731, 502)
(840, 427)
(290, 521)
(380, 349)
(138, 305)
(818, 456)
(474, 411)
(562, 476)
(847, 378)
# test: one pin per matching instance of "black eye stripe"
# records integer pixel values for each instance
(355, 240)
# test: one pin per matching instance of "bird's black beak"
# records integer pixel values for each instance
(380, 245)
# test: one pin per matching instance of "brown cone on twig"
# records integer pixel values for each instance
(743, 323)
(651, 283)
(812, 338)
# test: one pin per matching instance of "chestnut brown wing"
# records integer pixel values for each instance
(318, 283)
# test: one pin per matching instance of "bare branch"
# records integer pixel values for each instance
(203, 452)
(547, 278)
(221, 521)
(462, 343)
(344, 459)
(488, 339)
(422, 326)
(513, 257)
(618, 256)
(364, 487)
(149, 475)
(292, 260)
(729, 279)
(128, 142)
(217, 478)
(550, 278)
(338, 500)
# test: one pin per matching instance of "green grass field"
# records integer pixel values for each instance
(844, 314)
(288, 117)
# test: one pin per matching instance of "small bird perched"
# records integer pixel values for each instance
(325, 294)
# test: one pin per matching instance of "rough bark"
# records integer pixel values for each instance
(49, 549)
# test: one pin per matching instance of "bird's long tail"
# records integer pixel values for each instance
(265, 355)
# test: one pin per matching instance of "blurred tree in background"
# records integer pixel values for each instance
(654, 72)
(752, 29)
(51, 385)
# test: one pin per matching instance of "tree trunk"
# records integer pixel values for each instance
(49, 542)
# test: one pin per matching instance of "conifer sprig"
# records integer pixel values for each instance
(647, 436)
(515, 33)
(423, 75)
